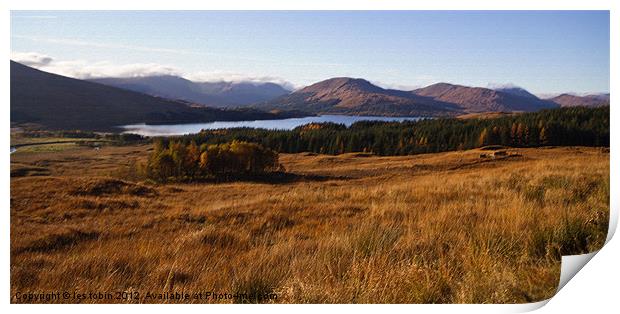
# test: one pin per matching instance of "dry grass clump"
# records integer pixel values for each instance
(221, 239)
(58, 240)
(100, 187)
(436, 228)
(24, 171)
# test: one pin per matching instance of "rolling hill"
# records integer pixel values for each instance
(478, 99)
(57, 102)
(345, 95)
(568, 100)
(357, 96)
(518, 91)
(216, 94)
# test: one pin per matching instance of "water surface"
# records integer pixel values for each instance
(278, 124)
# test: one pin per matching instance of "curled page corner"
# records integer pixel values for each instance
(571, 265)
(527, 307)
(613, 224)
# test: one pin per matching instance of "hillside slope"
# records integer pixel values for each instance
(478, 99)
(57, 102)
(568, 100)
(345, 95)
(217, 94)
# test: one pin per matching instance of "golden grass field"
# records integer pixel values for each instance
(447, 227)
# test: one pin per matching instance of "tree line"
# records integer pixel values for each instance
(117, 138)
(576, 126)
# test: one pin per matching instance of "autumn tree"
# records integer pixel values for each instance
(190, 161)
(483, 139)
(543, 137)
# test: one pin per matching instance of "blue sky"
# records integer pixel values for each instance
(542, 51)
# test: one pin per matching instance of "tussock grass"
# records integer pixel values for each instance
(21, 171)
(99, 187)
(436, 228)
(58, 240)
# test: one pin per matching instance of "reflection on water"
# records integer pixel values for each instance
(280, 124)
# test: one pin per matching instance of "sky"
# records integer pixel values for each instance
(545, 52)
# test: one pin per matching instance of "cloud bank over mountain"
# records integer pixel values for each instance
(82, 69)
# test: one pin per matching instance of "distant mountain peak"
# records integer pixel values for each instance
(516, 90)
(443, 85)
(218, 94)
(338, 82)
(480, 99)
(572, 100)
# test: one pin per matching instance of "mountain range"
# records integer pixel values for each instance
(214, 94)
(57, 102)
(568, 100)
(345, 95)
(357, 96)
(478, 99)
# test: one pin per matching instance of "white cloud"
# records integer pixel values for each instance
(219, 76)
(86, 70)
(31, 59)
(547, 95)
(403, 87)
(502, 85)
(82, 69)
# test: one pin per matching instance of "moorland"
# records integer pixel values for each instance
(464, 226)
